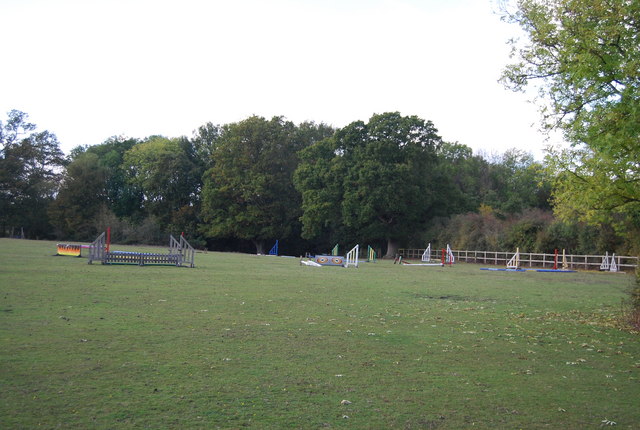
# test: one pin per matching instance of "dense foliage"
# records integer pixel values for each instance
(30, 166)
(583, 57)
(375, 181)
(389, 182)
(248, 191)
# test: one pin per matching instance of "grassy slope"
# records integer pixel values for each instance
(262, 342)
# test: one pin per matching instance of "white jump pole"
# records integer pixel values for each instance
(426, 255)
(352, 257)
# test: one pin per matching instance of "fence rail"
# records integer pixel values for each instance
(527, 259)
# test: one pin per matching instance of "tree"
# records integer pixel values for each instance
(319, 180)
(248, 192)
(584, 58)
(124, 199)
(165, 174)
(30, 167)
(379, 174)
(204, 142)
(518, 182)
(82, 195)
(462, 179)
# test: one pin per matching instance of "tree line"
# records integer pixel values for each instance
(389, 182)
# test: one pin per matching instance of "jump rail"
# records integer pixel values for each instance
(180, 254)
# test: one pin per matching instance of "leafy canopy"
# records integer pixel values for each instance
(583, 56)
(248, 192)
(30, 166)
(373, 180)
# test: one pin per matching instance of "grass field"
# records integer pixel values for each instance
(262, 342)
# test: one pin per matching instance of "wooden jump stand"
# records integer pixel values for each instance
(180, 253)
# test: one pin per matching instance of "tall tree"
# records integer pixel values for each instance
(319, 179)
(30, 167)
(198, 150)
(81, 196)
(204, 142)
(584, 58)
(518, 182)
(248, 193)
(162, 170)
(462, 179)
(381, 175)
(124, 199)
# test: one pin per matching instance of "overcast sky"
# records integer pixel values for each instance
(90, 69)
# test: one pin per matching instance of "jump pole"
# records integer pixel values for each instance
(555, 260)
(108, 238)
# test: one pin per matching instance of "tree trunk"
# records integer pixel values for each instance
(259, 246)
(392, 248)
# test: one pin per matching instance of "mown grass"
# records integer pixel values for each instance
(262, 342)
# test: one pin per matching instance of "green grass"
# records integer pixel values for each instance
(262, 342)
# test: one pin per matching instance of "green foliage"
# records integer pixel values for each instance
(584, 57)
(163, 171)
(517, 182)
(82, 195)
(564, 235)
(248, 192)
(387, 187)
(200, 148)
(526, 231)
(461, 179)
(471, 231)
(30, 164)
(131, 185)
(127, 231)
(319, 180)
(379, 175)
(389, 180)
(123, 197)
(508, 183)
(533, 230)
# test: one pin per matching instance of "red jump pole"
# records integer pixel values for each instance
(108, 238)
(555, 260)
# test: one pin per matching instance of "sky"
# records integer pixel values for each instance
(87, 70)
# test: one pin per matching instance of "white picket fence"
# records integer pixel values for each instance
(528, 259)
